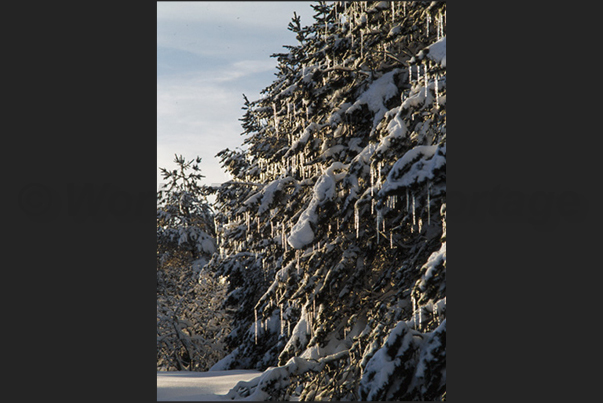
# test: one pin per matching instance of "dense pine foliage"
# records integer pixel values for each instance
(332, 232)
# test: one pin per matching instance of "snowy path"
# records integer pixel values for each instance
(199, 386)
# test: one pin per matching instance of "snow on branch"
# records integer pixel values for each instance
(379, 92)
(416, 166)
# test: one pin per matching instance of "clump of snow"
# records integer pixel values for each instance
(303, 139)
(378, 373)
(225, 362)
(275, 378)
(208, 245)
(396, 129)
(431, 343)
(364, 156)
(379, 92)
(308, 72)
(416, 98)
(299, 336)
(416, 166)
(333, 151)
(394, 31)
(431, 367)
(324, 188)
(333, 346)
(335, 117)
(436, 260)
(267, 194)
(437, 52)
(302, 233)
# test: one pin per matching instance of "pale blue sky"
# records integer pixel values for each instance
(208, 55)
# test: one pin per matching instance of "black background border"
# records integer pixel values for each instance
(79, 292)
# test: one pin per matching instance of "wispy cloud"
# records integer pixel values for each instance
(198, 113)
(245, 68)
(208, 55)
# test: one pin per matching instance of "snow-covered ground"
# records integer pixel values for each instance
(199, 386)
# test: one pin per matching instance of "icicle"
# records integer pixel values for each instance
(409, 74)
(439, 21)
(426, 77)
(372, 173)
(435, 313)
(391, 240)
(308, 322)
(255, 311)
(356, 220)
(407, 200)
(275, 118)
(428, 20)
(282, 323)
(361, 43)
(392, 12)
(420, 317)
(413, 211)
(414, 310)
(311, 323)
(258, 222)
(293, 167)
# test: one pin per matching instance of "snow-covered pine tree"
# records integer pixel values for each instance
(191, 324)
(332, 232)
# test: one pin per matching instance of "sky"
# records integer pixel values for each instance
(208, 55)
